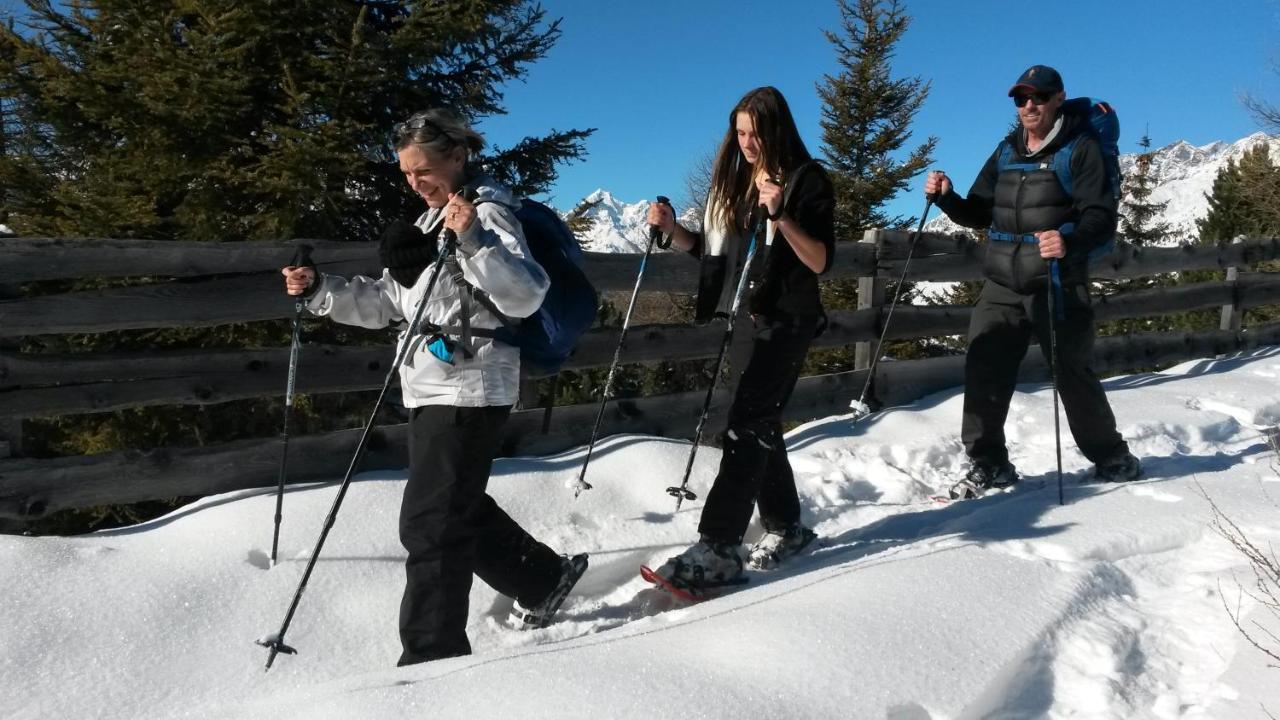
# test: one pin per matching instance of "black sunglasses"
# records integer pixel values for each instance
(1040, 98)
(404, 130)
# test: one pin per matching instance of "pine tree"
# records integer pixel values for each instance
(1238, 206)
(1245, 200)
(866, 117)
(221, 120)
(224, 120)
(578, 220)
(1138, 224)
(866, 121)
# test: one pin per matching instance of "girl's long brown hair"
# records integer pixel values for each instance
(781, 151)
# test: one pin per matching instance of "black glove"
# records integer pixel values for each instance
(406, 251)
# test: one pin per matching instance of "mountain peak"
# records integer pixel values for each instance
(600, 195)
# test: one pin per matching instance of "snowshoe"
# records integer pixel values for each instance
(684, 591)
(707, 564)
(540, 615)
(982, 478)
(1121, 468)
(778, 545)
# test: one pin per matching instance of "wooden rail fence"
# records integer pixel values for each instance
(205, 284)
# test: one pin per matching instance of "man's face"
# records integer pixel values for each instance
(1038, 110)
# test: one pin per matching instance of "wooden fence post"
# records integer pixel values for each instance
(10, 428)
(871, 292)
(1233, 313)
(533, 396)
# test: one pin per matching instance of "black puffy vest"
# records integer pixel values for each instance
(1026, 201)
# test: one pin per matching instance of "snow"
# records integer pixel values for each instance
(1010, 606)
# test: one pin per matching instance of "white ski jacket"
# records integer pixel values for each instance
(494, 257)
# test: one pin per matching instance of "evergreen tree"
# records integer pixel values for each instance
(224, 120)
(1138, 226)
(578, 220)
(1245, 200)
(1138, 219)
(866, 117)
(1238, 206)
(866, 122)
(220, 120)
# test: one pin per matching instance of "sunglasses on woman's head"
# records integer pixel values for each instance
(1039, 98)
(416, 123)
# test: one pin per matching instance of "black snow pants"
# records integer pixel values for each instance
(999, 332)
(452, 529)
(754, 468)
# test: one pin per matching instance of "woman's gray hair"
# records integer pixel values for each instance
(438, 129)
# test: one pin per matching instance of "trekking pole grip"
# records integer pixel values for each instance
(469, 194)
(655, 233)
(301, 258)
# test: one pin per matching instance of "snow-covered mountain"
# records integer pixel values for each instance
(619, 226)
(1184, 173)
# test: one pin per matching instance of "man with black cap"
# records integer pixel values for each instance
(1037, 228)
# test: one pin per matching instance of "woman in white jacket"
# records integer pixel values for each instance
(458, 383)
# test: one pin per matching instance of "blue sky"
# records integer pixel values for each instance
(657, 78)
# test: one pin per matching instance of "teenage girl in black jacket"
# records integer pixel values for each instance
(761, 168)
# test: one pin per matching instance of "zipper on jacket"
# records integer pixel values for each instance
(1017, 226)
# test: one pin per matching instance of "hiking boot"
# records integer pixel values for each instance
(708, 563)
(1120, 468)
(981, 478)
(540, 615)
(778, 545)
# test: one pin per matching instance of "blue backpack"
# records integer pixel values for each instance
(1104, 126)
(547, 337)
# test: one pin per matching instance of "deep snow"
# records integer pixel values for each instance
(1010, 606)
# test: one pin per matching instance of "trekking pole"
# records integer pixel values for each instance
(276, 642)
(655, 237)
(1053, 372)
(860, 409)
(683, 492)
(301, 258)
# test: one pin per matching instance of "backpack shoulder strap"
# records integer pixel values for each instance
(472, 292)
(1004, 159)
(1004, 153)
(1062, 164)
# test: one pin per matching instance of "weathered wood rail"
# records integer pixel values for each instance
(203, 284)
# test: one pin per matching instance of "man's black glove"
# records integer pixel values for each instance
(406, 251)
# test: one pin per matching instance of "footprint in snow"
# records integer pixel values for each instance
(1154, 494)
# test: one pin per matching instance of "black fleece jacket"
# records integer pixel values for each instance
(786, 286)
